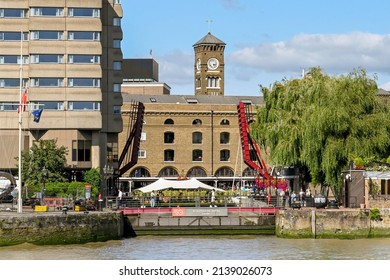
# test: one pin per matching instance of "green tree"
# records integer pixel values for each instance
(94, 178)
(322, 122)
(44, 154)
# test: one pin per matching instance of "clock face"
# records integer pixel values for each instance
(213, 63)
(198, 64)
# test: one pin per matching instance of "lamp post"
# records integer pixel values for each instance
(44, 176)
(108, 171)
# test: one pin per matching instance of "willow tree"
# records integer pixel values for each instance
(321, 122)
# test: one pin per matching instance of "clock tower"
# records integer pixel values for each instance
(209, 66)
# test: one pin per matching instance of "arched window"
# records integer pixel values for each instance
(197, 155)
(168, 172)
(169, 137)
(224, 155)
(197, 122)
(224, 138)
(225, 122)
(249, 172)
(196, 172)
(224, 172)
(169, 155)
(140, 172)
(168, 121)
(213, 82)
(197, 137)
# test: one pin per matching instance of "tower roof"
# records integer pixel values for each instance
(209, 39)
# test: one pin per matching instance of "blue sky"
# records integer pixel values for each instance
(266, 41)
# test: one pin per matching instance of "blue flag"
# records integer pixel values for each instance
(37, 115)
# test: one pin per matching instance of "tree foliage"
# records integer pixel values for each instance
(94, 178)
(322, 123)
(44, 154)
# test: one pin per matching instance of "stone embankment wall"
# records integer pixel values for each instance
(326, 223)
(73, 228)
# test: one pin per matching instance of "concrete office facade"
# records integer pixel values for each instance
(67, 55)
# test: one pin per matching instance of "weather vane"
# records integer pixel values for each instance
(209, 21)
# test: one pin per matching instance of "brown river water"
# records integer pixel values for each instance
(207, 248)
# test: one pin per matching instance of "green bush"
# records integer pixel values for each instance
(375, 215)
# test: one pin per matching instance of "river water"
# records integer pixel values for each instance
(207, 248)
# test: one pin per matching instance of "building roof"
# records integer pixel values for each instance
(192, 99)
(377, 174)
(383, 92)
(209, 39)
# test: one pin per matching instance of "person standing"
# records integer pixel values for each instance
(213, 199)
(152, 199)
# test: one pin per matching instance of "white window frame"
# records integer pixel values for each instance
(141, 153)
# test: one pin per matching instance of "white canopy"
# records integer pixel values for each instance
(162, 184)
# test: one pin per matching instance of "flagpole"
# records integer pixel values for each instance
(20, 203)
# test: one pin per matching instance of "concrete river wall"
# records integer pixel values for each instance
(56, 228)
(326, 223)
(78, 227)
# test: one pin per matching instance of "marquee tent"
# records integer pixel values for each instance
(191, 184)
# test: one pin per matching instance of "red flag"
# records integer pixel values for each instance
(23, 102)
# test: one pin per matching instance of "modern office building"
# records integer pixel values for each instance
(66, 55)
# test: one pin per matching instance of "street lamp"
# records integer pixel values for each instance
(44, 176)
(108, 171)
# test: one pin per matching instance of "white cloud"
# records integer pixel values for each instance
(334, 53)
(270, 62)
(176, 67)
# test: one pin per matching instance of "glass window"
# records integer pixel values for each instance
(10, 83)
(83, 82)
(224, 155)
(48, 105)
(9, 106)
(117, 1)
(168, 121)
(13, 36)
(83, 12)
(13, 13)
(197, 172)
(47, 82)
(116, 110)
(47, 11)
(197, 155)
(224, 172)
(84, 35)
(225, 122)
(197, 138)
(140, 172)
(13, 59)
(47, 58)
(168, 172)
(84, 59)
(117, 87)
(116, 44)
(224, 138)
(116, 21)
(169, 137)
(112, 151)
(169, 155)
(83, 105)
(81, 150)
(141, 153)
(117, 65)
(47, 35)
(197, 122)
